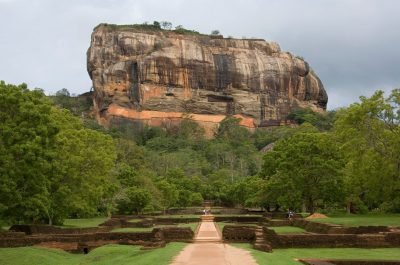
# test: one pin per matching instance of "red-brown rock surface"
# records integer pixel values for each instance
(158, 77)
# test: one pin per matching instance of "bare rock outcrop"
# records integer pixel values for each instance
(158, 77)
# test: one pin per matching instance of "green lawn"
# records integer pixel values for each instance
(109, 254)
(179, 216)
(87, 222)
(223, 224)
(239, 215)
(287, 229)
(361, 219)
(193, 226)
(287, 256)
(135, 220)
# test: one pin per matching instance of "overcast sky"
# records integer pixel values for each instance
(353, 45)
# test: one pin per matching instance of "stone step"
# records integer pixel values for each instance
(208, 241)
(262, 247)
(207, 218)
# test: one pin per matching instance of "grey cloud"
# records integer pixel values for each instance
(351, 44)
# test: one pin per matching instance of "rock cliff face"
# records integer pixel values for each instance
(159, 77)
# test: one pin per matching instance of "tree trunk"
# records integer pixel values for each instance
(348, 208)
(310, 206)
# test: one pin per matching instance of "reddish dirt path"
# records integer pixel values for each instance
(208, 249)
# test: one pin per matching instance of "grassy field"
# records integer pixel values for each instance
(222, 224)
(179, 216)
(287, 256)
(135, 220)
(361, 219)
(193, 226)
(88, 222)
(287, 229)
(109, 254)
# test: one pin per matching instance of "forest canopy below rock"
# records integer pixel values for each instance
(56, 162)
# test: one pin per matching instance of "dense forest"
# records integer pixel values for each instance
(56, 162)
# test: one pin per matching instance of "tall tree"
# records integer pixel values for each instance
(303, 168)
(369, 134)
(27, 138)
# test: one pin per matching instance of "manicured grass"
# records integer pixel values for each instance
(179, 216)
(287, 229)
(193, 226)
(287, 256)
(135, 220)
(109, 254)
(133, 229)
(223, 224)
(87, 222)
(361, 219)
(239, 215)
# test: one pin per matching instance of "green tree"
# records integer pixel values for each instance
(369, 135)
(157, 24)
(304, 168)
(134, 199)
(323, 121)
(169, 194)
(166, 25)
(81, 173)
(27, 139)
(196, 199)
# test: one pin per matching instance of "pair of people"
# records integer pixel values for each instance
(206, 211)
(290, 214)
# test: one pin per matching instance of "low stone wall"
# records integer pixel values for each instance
(11, 234)
(165, 234)
(48, 229)
(330, 240)
(281, 215)
(367, 229)
(175, 220)
(323, 228)
(176, 234)
(393, 238)
(238, 233)
(348, 262)
(239, 219)
(123, 221)
(320, 228)
(76, 238)
(269, 222)
(196, 210)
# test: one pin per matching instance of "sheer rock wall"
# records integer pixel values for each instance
(159, 77)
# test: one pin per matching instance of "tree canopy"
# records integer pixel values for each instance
(56, 162)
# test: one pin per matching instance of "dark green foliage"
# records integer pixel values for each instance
(134, 200)
(181, 30)
(51, 166)
(323, 121)
(27, 140)
(55, 165)
(79, 105)
(303, 169)
(369, 135)
(166, 25)
(157, 24)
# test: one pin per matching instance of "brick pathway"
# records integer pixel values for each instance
(208, 249)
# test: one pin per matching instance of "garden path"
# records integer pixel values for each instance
(209, 249)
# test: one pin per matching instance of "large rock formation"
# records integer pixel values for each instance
(159, 77)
